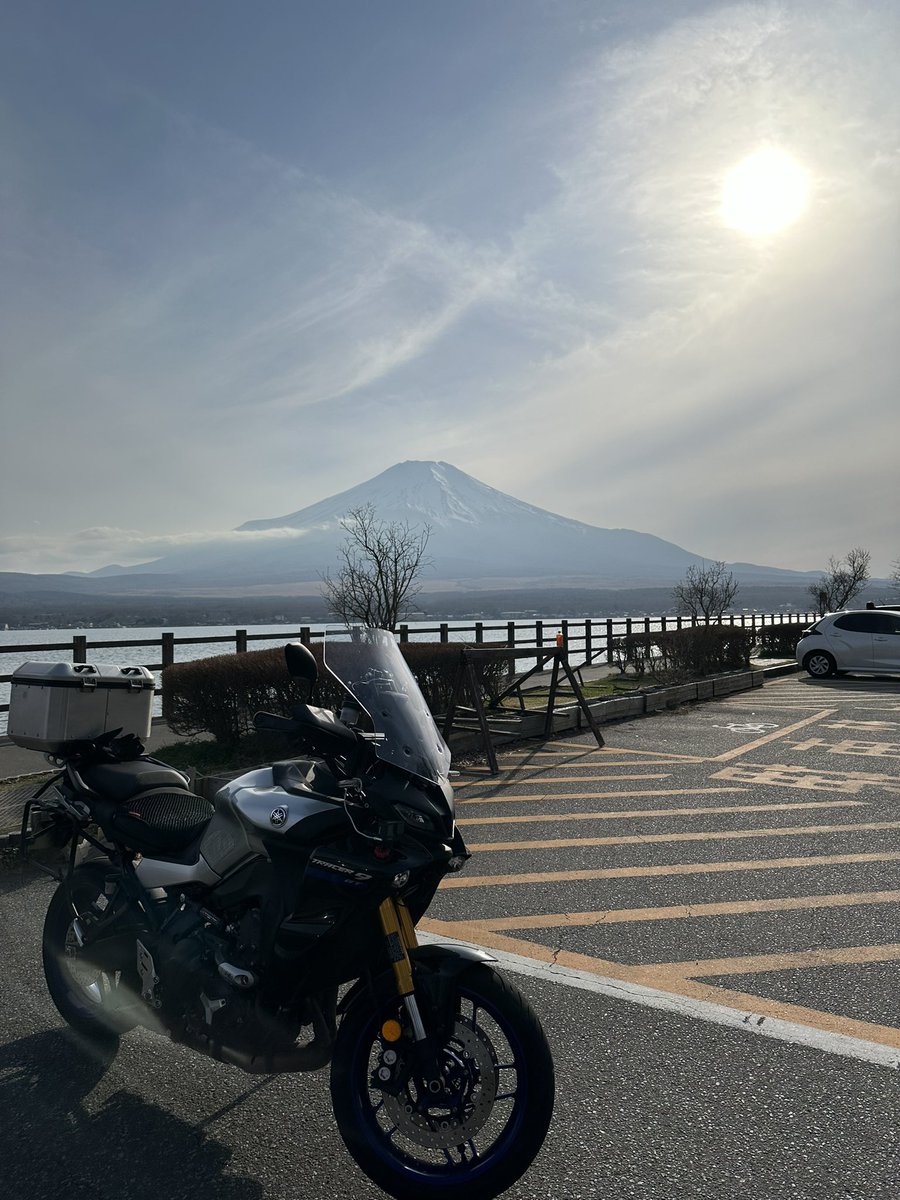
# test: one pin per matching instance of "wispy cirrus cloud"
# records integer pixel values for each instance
(221, 331)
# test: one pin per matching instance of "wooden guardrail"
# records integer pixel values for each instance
(586, 640)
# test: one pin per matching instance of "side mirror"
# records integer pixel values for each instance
(300, 663)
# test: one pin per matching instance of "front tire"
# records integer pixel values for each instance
(482, 1132)
(93, 1001)
(820, 664)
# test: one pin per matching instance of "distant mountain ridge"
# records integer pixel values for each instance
(479, 536)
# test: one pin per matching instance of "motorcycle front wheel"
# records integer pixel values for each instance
(476, 1133)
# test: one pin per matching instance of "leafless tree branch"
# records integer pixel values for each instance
(844, 579)
(380, 564)
(706, 591)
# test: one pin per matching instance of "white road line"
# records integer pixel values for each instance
(683, 1006)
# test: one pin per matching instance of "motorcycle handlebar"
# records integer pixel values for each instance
(266, 722)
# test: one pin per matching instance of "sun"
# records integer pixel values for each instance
(764, 193)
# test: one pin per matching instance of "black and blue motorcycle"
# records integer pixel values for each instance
(275, 929)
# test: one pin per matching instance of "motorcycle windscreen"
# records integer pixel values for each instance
(369, 664)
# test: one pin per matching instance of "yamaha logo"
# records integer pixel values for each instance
(278, 817)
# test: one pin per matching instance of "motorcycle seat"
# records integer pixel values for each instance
(162, 820)
(121, 781)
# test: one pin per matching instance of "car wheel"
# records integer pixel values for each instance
(820, 664)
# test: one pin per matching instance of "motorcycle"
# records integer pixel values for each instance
(233, 927)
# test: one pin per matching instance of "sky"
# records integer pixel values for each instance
(253, 255)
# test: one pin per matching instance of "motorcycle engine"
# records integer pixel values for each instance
(203, 977)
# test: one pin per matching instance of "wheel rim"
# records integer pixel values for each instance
(818, 664)
(477, 1109)
(94, 984)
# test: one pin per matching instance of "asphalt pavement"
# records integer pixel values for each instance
(703, 912)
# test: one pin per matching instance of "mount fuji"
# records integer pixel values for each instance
(479, 537)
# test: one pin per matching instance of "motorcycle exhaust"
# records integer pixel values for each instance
(311, 1057)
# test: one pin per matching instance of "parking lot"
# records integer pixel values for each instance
(704, 915)
(744, 853)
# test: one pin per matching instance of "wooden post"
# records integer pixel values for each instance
(511, 633)
(610, 638)
(588, 640)
(479, 633)
(404, 633)
(558, 656)
(240, 641)
(539, 634)
(565, 636)
(79, 648)
(445, 632)
(475, 690)
(304, 635)
(168, 650)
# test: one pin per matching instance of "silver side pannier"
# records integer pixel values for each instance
(54, 704)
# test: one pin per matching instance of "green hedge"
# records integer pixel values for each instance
(780, 641)
(684, 653)
(219, 695)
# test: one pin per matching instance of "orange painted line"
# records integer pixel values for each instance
(775, 736)
(758, 964)
(704, 791)
(679, 912)
(574, 779)
(624, 813)
(711, 868)
(546, 782)
(669, 756)
(705, 835)
(506, 781)
(758, 1006)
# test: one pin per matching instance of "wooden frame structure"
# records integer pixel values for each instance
(467, 681)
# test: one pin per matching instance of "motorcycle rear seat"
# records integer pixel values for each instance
(162, 820)
(121, 781)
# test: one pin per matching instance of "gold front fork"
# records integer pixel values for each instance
(400, 935)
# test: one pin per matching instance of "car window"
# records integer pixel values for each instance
(861, 622)
(887, 622)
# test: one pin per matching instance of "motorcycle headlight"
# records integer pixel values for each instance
(413, 817)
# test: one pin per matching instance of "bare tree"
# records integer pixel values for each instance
(844, 579)
(706, 591)
(380, 563)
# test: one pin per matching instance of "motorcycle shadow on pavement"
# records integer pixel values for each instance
(56, 1144)
(16, 874)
